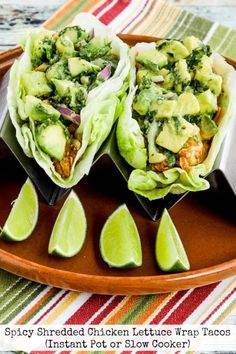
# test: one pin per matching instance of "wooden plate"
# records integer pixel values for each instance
(205, 221)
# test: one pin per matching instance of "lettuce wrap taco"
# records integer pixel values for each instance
(178, 110)
(65, 93)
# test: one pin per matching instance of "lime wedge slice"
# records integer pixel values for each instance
(170, 252)
(23, 215)
(69, 231)
(120, 244)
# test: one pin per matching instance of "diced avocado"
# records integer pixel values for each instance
(78, 66)
(43, 48)
(211, 81)
(191, 43)
(64, 45)
(181, 70)
(63, 87)
(208, 127)
(154, 156)
(164, 72)
(59, 71)
(164, 108)
(175, 133)
(35, 83)
(207, 101)
(98, 47)
(144, 99)
(39, 110)
(205, 65)
(71, 93)
(51, 138)
(169, 81)
(143, 74)
(175, 50)
(187, 104)
(152, 59)
(215, 84)
(74, 33)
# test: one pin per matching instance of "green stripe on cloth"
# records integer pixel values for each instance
(191, 25)
(41, 306)
(7, 280)
(19, 301)
(224, 41)
(177, 24)
(69, 15)
(140, 307)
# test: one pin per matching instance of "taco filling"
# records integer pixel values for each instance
(66, 66)
(178, 100)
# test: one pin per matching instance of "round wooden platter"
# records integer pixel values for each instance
(207, 229)
(205, 221)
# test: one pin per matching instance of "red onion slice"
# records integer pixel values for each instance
(91, 33)
(67, 113)
(105, 73)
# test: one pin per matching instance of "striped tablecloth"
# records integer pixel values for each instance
(23, 301)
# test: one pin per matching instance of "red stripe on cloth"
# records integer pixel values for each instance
(115, 302)
(101, 7)
(218, 306)
(185, 309)
(114, 11)
(88, 309)
(52, 307)
(133, 19)
(168, 306)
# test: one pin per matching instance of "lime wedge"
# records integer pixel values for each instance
(23, 215)
(170, 252)
(120, 244)
(69, 230)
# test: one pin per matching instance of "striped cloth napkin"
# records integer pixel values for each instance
(23, 301)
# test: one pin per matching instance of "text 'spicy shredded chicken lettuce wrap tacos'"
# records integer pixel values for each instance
(65, 93)
(179, 108)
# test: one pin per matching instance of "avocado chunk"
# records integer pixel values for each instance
(174, 49)
(63, 87)
(175, 133)
(210, 80)
(71, 93)
(43, 49)
(64, 45)
(98, 47)
(207, 101)
(152, 59)
(74, 33)
(205, 65)
(187, 104)
(191, 43)
(78, 66)
(58, 70)
(181, 71)
(154, 156)
(51, 138)
(39, 110)
(145, 98)
(208, 127)
(164, 108)
(35, 84)
(143, 74)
